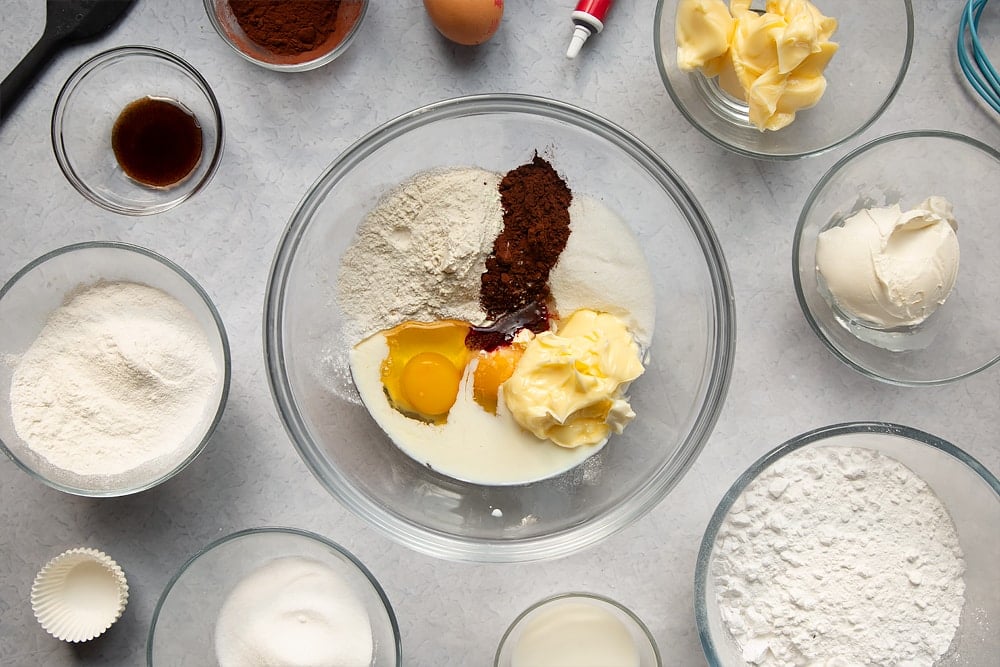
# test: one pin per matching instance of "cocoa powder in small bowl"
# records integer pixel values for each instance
(287, 36)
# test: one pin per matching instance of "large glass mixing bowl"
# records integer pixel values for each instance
(677, 400)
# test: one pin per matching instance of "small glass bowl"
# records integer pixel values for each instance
(642, 639)
(350, 15)
(961, 337)
(183, 627)
(91, 101)
(26, 302)
(969, 492)
(875, 38)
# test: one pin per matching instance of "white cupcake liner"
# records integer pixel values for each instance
(79, 594)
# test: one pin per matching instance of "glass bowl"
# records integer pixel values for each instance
(875, 38)
(588, 612)
(961, 337)
(93, 98)
(26, 302)
(182, 631)
(969, 492)
(350, 14)
(677, 400)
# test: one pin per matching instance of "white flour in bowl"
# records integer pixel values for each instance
(117, 387)
(420, 254)
(839, 557)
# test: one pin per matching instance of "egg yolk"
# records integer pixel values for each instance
(423, 369)
(494, 368)
(430, 383)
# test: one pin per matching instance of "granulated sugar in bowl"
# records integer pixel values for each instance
(115, 368)
(273, 596)
(864, 543)
(410, 313)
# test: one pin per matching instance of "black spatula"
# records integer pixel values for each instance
(66, 22)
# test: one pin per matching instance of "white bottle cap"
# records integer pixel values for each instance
(580, 36)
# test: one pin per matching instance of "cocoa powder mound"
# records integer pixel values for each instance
(535, 202)
(287, 28)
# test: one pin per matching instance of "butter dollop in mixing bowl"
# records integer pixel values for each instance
(969, 492)
(961, 337)
(676, 400)
(875, 41)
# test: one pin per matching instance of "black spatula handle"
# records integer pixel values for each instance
(26, 72)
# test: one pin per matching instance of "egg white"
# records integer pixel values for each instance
(473, 445)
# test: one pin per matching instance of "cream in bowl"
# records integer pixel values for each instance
(577, 630)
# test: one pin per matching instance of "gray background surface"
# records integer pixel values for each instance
(282, 130)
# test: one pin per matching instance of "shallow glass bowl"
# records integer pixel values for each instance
(26, 302)
(875, 38)
(969, 492)
(351, 14)
(961, 337)
(183, 627)
(91, 101)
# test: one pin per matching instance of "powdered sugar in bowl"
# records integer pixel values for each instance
(114, 369)
(859, 543)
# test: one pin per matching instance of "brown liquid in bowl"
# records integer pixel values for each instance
(157, 141)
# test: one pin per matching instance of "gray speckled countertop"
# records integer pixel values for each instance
(282, 130)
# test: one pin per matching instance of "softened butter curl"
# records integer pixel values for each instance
(774, 61)
(569, 386)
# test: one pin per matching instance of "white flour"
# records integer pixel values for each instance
(117, 385)
(420, 254)
(839, 557)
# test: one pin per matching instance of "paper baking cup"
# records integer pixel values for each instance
(79, 594)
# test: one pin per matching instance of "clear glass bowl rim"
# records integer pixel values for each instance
(439, 544)
(662, 67)
(830, 174)
(59, 109)
(249, 532)
(226, 362)
(580, 594)
(708, 540)
(319, 61)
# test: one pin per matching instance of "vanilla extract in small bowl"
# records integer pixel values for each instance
(157, 141)
(137, 130)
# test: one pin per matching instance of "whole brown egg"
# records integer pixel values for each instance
(467, 22)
